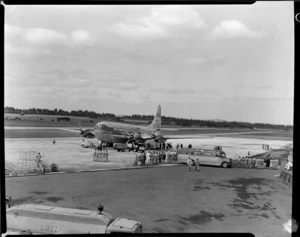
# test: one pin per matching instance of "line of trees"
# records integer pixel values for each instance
(79, 113)
(165, 120)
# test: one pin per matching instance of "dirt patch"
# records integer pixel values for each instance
(161, 220)
(54, 199)
(241, 187)
(264, 215)
(242, 184)
(159, 230)
(205, 217)
(21, 200)
(25, 200)
(202, 218)
(199, 186)
(39, 192)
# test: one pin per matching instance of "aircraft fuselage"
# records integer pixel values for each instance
(111, 132)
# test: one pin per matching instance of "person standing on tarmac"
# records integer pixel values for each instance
(189, 163)
(197, 165)
(38, 159)
(147, 157)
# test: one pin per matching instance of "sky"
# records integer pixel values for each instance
(228, 62)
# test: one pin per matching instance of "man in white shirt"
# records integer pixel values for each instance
(289, 165)
(189, 163)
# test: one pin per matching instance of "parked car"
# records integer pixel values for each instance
(212, 157)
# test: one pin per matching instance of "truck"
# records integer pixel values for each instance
(120, 146)
(41, 219)
(88, 144)
(135, 147)
(152, 145)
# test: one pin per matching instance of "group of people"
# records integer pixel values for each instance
(155, 157)
(266, 146)
(179, 145)
(101, 155)
(258, 162)
(165, 146)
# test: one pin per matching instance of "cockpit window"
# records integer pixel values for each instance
(104, 126)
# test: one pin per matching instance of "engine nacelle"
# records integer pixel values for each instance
(131, 136)
(137, 136)
(155, 135)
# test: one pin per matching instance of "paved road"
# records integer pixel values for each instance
(170, 199)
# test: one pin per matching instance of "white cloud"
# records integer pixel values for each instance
(140, 32)
(234, 29)
(162, 22)
(174, 90)
(126, 85)
(145, 96)
(195, 61)
(80, 36)
(32, 41)
(44, 36)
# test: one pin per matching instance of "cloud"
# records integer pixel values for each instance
(195, 61)
(15, 34)
(144, 96)
(127, 85)
(80, 36)
(264, 87)
(139, 32)
(44, 36)
(211, 62)
(72, 74)
(234, 29)
(119, 84)
(162, 22)
(173, 90)
(40, 41)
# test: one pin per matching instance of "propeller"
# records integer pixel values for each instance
(132, 137)
(156, 134)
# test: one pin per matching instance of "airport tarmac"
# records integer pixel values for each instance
(68, 154)
(170, 199)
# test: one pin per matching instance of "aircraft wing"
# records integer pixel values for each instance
(188, 136)
(163, 138)
(88, 133)
(210, 135)
(69, 129)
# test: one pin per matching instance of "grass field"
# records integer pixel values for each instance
(38, 133)
(35, 120)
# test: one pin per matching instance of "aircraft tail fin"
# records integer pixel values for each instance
(156, 123)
